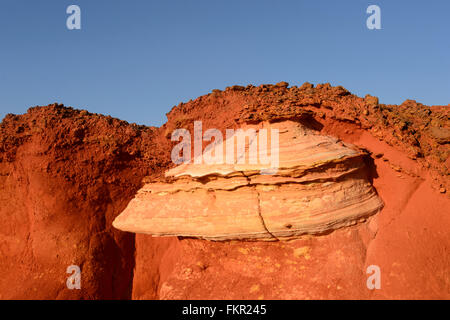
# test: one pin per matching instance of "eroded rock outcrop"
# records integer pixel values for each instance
(65, 175)
(320, 184)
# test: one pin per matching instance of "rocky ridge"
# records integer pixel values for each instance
(66, 174)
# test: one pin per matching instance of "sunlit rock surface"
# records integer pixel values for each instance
(319, 184)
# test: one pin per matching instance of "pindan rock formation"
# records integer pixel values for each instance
(320, 185)
(66, 174)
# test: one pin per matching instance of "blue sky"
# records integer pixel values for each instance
(136, 59)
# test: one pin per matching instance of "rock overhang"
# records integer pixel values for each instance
(320, 185)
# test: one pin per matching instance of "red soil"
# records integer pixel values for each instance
(65, 174)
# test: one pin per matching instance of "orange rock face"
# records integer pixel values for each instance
(65, 176)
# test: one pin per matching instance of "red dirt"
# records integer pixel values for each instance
(65, 174)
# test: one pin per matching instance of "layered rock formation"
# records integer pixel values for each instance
(66, 174)
(319, 185)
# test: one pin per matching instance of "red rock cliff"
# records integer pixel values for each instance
(66, 174)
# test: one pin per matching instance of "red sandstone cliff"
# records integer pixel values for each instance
(65, 174)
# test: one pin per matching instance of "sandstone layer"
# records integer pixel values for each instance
(319, 185)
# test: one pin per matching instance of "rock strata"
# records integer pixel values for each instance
(320, 185)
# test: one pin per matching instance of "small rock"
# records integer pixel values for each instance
(371, 100)
(341, 91)
(378, 155)
(442, 190)
(237, 88)
(441, 135)
(306, 86)
(282, 84)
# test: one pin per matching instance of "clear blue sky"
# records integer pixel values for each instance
(135, 59)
